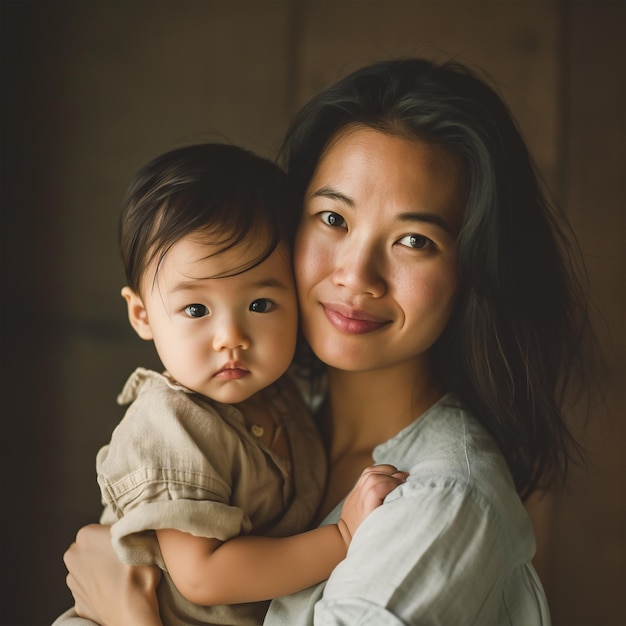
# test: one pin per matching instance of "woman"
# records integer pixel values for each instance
(436, 295)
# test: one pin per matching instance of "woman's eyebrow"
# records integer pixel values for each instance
(428, 218)
(329, 192)
(423, 217)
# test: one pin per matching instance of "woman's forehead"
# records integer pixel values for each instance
(363, 166)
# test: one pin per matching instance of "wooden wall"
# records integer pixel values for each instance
(91, 90)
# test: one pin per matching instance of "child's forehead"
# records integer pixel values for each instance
(221, 257)
(198, 256)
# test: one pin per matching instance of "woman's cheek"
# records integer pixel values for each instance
(310, 258)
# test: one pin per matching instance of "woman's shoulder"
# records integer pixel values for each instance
(440, 432)
(448, 448)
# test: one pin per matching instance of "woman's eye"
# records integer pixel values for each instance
(333, 219)
(417, 242)
(262, 305)
(196, 310)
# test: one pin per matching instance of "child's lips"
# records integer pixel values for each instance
(232, 371)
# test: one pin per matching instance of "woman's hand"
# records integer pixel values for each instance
(372, 487)
(106, 590)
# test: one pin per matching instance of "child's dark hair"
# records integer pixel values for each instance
(222, 190)
(509, 349)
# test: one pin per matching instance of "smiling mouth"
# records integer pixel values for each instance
(352, 322)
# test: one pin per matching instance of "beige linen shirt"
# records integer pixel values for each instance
(179, 460)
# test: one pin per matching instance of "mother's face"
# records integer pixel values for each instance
(375, 255)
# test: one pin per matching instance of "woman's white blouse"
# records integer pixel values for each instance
(453, 545)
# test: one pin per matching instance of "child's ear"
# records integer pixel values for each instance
(137, 314)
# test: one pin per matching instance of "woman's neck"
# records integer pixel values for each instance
(367, 408)
(363, 410)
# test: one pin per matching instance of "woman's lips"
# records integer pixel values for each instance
(351, 321)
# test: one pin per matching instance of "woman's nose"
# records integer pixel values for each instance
(230, 335)
(360, 268)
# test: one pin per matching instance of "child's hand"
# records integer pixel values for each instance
(368, 494)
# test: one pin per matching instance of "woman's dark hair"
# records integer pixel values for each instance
(221, 190)
(509, 349)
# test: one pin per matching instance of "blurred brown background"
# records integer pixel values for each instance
(91, 90)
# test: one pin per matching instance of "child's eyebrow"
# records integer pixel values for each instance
(197, 283)
(271, 282)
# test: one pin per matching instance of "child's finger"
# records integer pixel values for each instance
(383, 468)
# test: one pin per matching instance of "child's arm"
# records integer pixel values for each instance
(246, 569)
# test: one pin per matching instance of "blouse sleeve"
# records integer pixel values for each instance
(434, 554)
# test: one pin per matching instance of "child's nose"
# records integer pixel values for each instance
(230, 336)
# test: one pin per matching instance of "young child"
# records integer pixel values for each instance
(219, 449)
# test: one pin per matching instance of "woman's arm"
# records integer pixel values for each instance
(110, 593)
(106, 590)
(440, 553)
(247, 569)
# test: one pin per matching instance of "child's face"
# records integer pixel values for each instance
(225, 338)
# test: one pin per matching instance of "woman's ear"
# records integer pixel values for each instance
(137, 314)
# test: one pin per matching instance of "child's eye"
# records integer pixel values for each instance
(333, 219)
(417, 242)
(262, 305)
(196, 310)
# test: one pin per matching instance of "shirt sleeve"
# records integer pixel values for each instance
(157, 472)
(433, 555)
